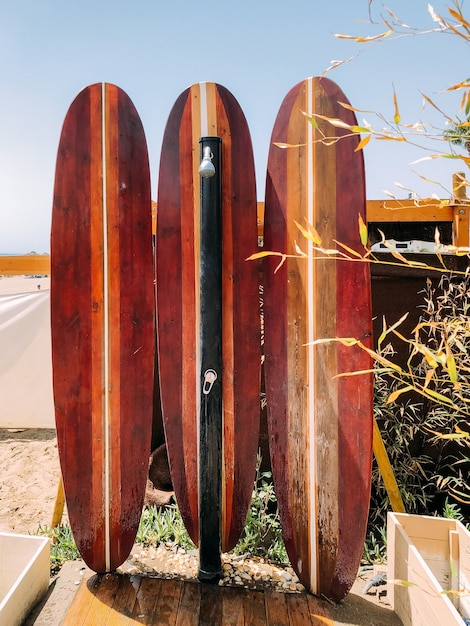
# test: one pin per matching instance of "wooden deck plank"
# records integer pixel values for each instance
(166, 607)
(123, 600)
(104, 597)
(123, 611)
(210, 611)
(147, 598)
(255, 608)
(299, 612)
(189, 607)
(81, 603)
(232, 606)
(319, 613)
(277, 613)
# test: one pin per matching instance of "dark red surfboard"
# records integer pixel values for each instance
(208, 109)
(320, 426)
(102, 321)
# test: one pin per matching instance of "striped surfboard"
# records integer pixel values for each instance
(202, 110)
(320, 426)
(102, 321)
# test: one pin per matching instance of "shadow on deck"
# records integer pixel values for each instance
(118, 599)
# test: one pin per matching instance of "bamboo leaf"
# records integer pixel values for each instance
(392, 328)
(359, 129)
(403, 583)
(438, 396)
(281, 263)
(299, 250)
(363, 143)
(348, 107)
(430, 374)
(288, 145)
(373, 37)
(363, 231)
(346, 341)
(396, 115)
(390, 138)
(261, 255)
(355, 373)
(463, 85)
(339, 123)
(313, 122)
(352, 252)
(459, 17)
(393, 396)
(397, 255)
(311, 234)
(451, 366)
(432, 362)
(435, 17)
(449, 436)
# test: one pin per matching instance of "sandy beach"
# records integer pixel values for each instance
(29, 467)
(10, 285)
(29, 461)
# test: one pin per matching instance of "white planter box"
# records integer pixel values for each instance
(428, 569)
(24, 575)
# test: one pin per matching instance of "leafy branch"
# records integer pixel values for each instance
(456, 130)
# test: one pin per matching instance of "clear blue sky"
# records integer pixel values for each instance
(154, 49)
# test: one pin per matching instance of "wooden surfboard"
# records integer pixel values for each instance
(320, 427)
(208, 109)
(102, 320)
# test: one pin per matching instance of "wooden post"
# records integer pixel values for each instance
(386, 470)
(461, 210)
(59, 504)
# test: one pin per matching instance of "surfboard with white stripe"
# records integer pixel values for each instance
(320, 426)
(208, 109)
(102, 321)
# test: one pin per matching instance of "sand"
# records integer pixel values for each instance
(30, 471)
(29, 461)
(20, 284)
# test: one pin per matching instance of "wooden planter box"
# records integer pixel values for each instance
(24, 575)
(428, 569)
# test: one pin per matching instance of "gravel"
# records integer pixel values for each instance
(170, 561)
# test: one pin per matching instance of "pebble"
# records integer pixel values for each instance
(170, 561)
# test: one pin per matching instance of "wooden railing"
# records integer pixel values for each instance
(30, 264)
(456, 211)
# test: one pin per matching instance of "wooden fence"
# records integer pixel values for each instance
(455, 211)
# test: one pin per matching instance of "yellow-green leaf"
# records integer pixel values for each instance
(459, 17)
(390, 138)
(393, 396)
(348, 249)
(439, 397)
(363, 232)
(396, 254)
(363, 143)
(373, 37)
(450, 436)
(339, 123)
(396, 115)
(288, 145)
(311, 234)
(261, 255)
(451, 366)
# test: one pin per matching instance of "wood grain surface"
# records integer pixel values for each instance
(320, 426)
(102, 319)
(208, 109)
